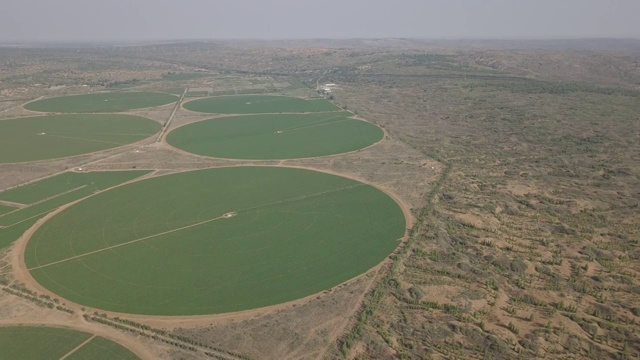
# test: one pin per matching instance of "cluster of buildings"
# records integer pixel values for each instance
(327, 88)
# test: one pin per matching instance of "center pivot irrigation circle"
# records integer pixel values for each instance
(101, 102)
(214, 241)
(57, 136)
(276, 136)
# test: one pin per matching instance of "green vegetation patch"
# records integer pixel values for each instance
(57, 136)
(257, 104)
(283, 136)
(214, 241)
(68, 181)
(49, 194)
(38, 210)
(10, 234)
(5, 209)
(35, 343)
(103, 102)
(101, 348)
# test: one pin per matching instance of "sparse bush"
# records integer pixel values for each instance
(513, 328)
(519, 266)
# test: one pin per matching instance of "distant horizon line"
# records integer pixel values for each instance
(182, 40)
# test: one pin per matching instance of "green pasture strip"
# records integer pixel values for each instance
(5, 209)
(57, 136)
(102, 102)
(101, 348)
(296, 232)
(35, 343)
(95, 182)
(46, 188)
(11, 234)
(256, 104)
(36, 211)
(271, 136)
(67, 181)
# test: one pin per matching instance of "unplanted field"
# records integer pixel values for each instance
(257, 104)
(103, 102)
(284, 136)
(57, 136)
(214, 241)
(35, 343)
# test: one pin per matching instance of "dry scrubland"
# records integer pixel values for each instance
(519, 162)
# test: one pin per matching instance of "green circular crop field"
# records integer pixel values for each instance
(214, 241)
(57, 136)
(257, 104)
(285, 136)
(102, 102)
(44, 343)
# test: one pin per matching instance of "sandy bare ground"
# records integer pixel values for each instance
(9, 111)
(339, 329)
(167, 125)
(12, 204)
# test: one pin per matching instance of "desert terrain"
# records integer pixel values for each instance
(515, 163)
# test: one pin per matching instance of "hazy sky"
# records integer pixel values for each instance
(214, 19)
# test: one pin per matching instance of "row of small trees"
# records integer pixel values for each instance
(180, 341)
(40, 300)
(368, 308)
